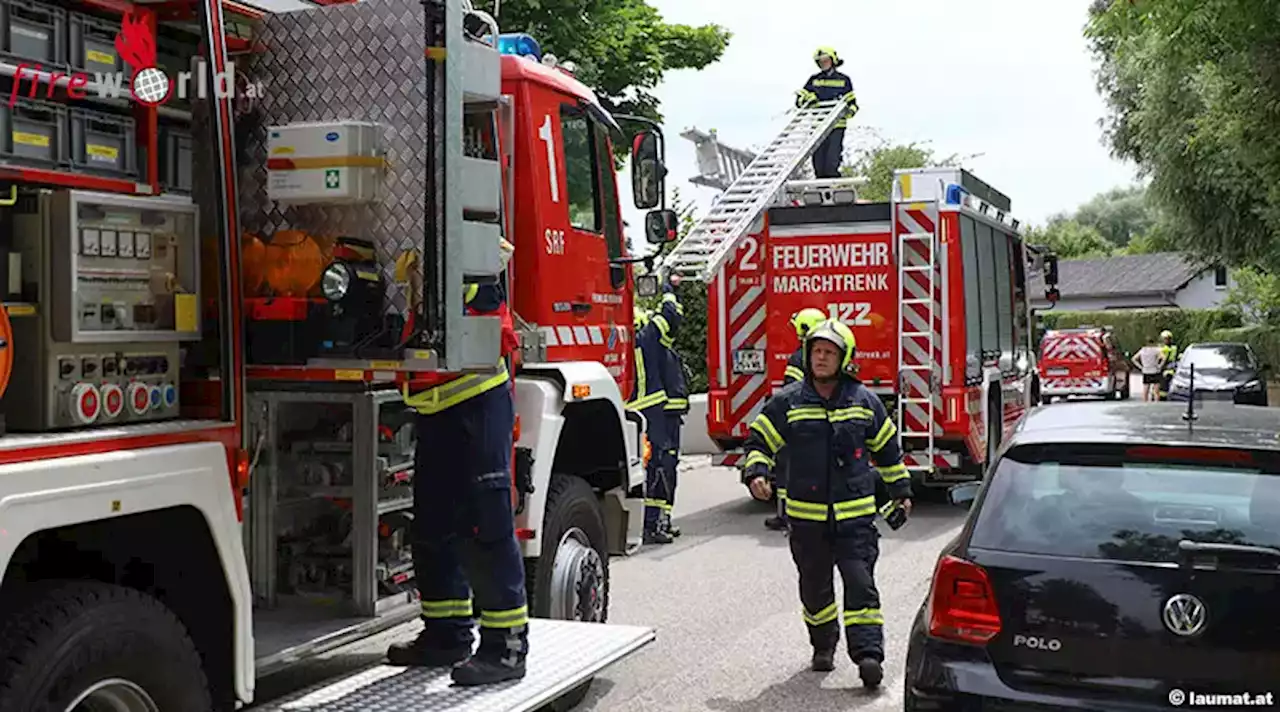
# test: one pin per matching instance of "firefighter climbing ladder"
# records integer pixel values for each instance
(919, 326)
(702, 252)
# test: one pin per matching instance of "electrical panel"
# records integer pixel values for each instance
(114, 282)
(123, 268)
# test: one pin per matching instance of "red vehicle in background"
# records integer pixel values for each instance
(1082, 362)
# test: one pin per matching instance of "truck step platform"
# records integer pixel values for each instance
(562, 656)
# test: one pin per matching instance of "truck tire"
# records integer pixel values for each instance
(570, 579)
(75, 643)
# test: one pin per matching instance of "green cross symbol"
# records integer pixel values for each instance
(331, 179)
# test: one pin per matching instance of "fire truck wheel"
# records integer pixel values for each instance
(86, 645)
(570, 578)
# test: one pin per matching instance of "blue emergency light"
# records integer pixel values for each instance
(955, 194)
(519, 44)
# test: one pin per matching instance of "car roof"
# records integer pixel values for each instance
(1216, 425)
(1218, 345)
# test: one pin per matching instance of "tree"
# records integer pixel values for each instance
(1193, 90)
(691, 339)
(622, 48)
(878, 158)
(1255, 296)
(1069, 239)
(1119, 214)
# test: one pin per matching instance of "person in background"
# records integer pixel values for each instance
(827, 85)
(677, 404)
(1150, 359)
(803, 322)
(1170, 350)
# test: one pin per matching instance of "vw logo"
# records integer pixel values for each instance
(1184, 615)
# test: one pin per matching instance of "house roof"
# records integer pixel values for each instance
(1130, 274)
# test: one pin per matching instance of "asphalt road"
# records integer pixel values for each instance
(723, 599)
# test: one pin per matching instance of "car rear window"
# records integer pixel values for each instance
(1125, 504)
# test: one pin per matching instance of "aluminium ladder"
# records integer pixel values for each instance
(919, 378)
(713, 238)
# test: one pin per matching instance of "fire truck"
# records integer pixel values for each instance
(217, 287)
(933, 284)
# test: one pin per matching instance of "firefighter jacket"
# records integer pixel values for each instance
(795, 367)
(837, 451)
(432, 396)
(676, 387)
(1170, 353)
(669, 317)
(648, 389)
(828, 86)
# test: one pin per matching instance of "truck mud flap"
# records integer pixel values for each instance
(562, 656)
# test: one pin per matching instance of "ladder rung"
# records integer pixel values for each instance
(915, 434)
(917, 268)
(917, 334)
(917, 301)
(918, 366)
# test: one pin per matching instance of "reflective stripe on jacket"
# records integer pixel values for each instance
(827, 86)
(836, 451)
(673, 379)
(647, 388)
(434, 397)
(795, 368)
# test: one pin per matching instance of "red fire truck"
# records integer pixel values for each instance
(213, 301)
(933, 284)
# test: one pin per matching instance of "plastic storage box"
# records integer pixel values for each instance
(93, 45)
(103, 143)
(33, 32)
(33, 132)
(176, 147)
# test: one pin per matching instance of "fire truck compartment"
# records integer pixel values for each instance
(562, 656)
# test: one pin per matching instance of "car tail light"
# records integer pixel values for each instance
(962, 604)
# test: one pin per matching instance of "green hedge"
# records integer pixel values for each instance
(1132, 327)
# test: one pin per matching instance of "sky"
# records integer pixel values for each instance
(1009, 80)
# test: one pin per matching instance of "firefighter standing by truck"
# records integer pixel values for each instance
(463, 519)
(675, 409)
(841, 442)
(1170, 352)
(803, 322)
(827, 85)
(654, 336)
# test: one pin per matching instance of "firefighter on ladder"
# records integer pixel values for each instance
(654, 335)
(463, 519)
(803, 322)
(827, 85)
(1169, 350)
(841, 442)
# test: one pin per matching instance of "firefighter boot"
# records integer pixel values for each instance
(668, 527)
(871, 672)
(421, 652)
(823, 661)
(501, 657)
(775, 523)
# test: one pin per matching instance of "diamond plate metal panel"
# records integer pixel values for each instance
(562, 654)
(363, 62)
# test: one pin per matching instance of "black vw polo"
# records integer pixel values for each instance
(1120, 557)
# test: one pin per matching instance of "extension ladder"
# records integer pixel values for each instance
(702, 252)
(919, 330)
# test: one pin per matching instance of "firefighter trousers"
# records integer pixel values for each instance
(829, 154)
(658, 485)
(464, 528)
(852, 547)
(675, 422)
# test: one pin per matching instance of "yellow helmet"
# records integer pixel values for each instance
(827, 52)
(836, 332)
(1166, 335)
(804, 320)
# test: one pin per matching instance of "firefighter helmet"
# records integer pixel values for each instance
(837, 333)
(1166, 335)
(827, 52)
(804, 320)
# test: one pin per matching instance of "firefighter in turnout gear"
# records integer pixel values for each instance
(464, 527)
(674, 409)
(803, 322)
(1169, 350)
(841, 443)
(827, 85)
(653, 336)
